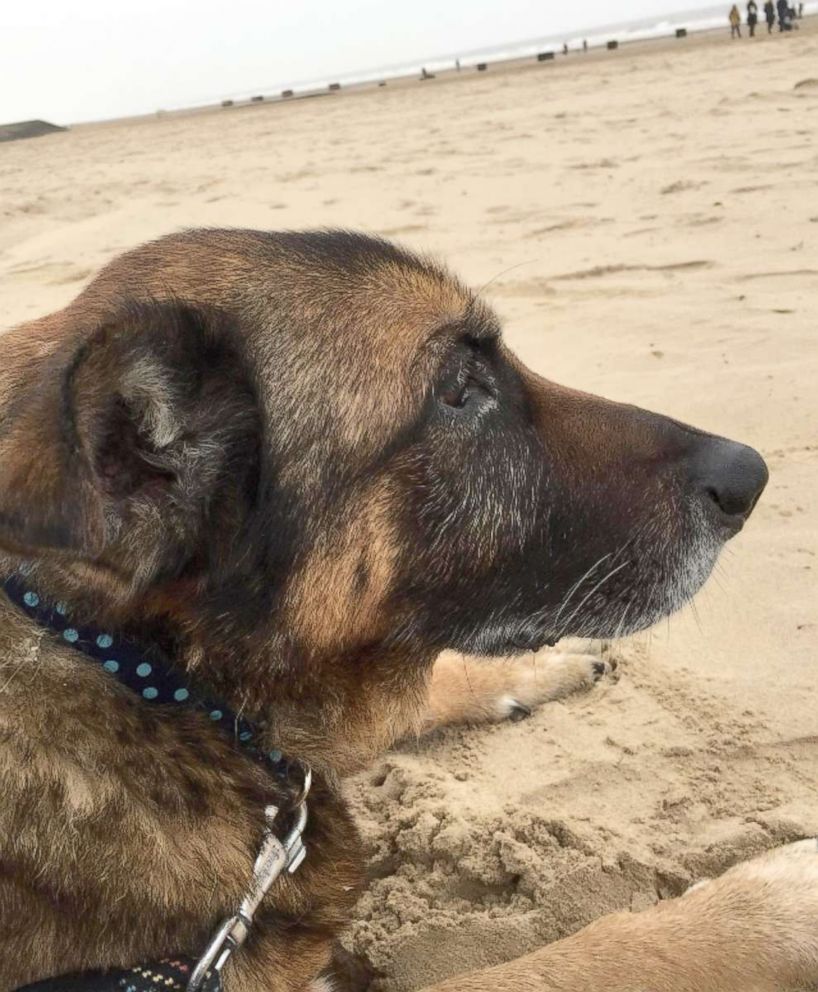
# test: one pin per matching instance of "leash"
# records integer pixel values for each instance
(274, 857)
(151, 676)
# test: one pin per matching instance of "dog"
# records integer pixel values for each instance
(299, 466)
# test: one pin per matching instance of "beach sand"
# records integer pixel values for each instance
(647, 225)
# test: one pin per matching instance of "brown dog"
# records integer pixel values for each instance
(303, 464)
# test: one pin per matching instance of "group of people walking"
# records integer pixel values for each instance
(781, 10)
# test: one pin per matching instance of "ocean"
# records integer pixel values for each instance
(695, 20)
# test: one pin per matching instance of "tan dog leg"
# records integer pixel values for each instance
(480, 690)
(754, 929)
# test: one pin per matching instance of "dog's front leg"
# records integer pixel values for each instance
(754, 929)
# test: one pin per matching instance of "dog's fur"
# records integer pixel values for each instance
(305, 464)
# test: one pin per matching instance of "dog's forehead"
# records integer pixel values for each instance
(418, 299)
(338, 283)
(398, 313)
(367, 303)
(323, 283)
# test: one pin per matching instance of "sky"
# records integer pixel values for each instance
(96, 59)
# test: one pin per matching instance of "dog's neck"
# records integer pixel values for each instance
(145, 670)
(310, 706)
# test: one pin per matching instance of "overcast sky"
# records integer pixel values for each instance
(91, 59)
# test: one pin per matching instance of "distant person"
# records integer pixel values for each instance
(769, 15)
(457, 64)
(752, 16)
(585, 43)
(783, 15)
(735, 20)
(800, 11)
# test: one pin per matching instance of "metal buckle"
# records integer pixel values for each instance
(274, 857)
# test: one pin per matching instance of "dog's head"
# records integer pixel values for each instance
(322, 439)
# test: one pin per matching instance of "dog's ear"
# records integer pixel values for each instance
(125, 438)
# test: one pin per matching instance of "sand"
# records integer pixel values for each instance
(647, 225)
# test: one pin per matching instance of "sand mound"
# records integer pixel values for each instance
(486, 843)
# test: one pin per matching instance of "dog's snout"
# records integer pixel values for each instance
(729, 475)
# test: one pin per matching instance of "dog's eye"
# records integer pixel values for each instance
(457, 395)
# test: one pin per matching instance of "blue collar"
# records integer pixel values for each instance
(149, 675)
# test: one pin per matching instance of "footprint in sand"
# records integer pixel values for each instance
(564, 225)
(389, 232)
(290, 177)
(52, 273)
(704, 221)
(542, 286)
(599, 271)
(783, 274)
(681, 186)
(521, 288)
(603, 163)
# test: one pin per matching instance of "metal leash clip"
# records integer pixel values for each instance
(274, 857)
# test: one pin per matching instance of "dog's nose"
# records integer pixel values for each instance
(730, 475)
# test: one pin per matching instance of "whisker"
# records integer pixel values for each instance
(576, 585)
(695, 611)
(590, 593)
(621, 624)
(466, 673)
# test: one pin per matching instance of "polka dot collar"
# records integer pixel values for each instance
(151, 677)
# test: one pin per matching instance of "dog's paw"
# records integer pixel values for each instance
(528, 683)
(472, 690)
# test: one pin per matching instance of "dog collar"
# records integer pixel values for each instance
(147, 673)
